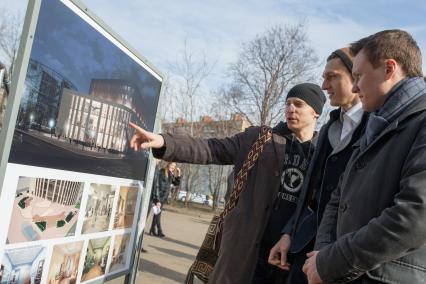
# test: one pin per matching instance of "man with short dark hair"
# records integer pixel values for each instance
(334, 148)
(373, 229)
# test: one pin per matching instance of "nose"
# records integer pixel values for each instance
(355, 88)
(290, 108)
(325, 85)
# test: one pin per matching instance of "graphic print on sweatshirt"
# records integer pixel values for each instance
(295, 167)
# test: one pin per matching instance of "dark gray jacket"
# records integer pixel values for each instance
(375, 222)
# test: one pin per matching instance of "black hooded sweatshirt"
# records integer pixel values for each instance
(293, 171)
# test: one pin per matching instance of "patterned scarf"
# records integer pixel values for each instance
(400, 97)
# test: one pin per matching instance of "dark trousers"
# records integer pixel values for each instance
(156, 225)
(266, 273)
(297, 260)
(296, 275)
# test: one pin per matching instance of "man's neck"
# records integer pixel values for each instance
(350, 105)
(305, 134)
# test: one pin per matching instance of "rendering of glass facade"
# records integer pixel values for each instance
(42, 94)
(91, 120)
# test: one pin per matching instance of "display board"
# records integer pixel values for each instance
(72, 186)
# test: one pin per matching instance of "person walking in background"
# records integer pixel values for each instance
(156, 229)
(164, 179)
(168, 176)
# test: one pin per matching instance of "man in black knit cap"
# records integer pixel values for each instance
(271, 192)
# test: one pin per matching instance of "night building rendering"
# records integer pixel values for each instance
(42, 94)
(120, 92)
(94, 121)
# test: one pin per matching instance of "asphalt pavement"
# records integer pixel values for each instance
(168, 259)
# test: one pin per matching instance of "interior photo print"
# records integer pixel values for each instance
(81, 91)
(64, 263)
(99, 208)
(22, 265)
(120, 252)
(96, 258)
(44, 208)
(125, 207)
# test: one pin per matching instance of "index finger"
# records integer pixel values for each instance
(135, 126)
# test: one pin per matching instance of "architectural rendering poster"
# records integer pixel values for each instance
(73, 187)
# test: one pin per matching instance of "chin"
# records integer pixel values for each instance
(292, 126)
(334, 103)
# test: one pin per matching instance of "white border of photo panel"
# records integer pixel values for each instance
(14, 171)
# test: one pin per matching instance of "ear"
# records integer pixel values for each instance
(390, 68)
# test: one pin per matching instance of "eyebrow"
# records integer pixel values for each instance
(331, 72)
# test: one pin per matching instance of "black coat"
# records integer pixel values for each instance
(375, 222)
(162, 184)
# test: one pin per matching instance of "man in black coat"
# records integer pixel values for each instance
(373, 228)
(333, 151)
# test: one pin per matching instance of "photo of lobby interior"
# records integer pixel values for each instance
(23, 265)
(96, 258)
(99, 208)
(120, 252)
(126, 205)
(64, 263)
(44, 209)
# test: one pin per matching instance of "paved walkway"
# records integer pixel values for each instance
(169, 258)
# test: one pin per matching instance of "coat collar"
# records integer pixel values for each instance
(418, 105)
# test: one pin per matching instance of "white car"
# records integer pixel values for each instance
(195, 197)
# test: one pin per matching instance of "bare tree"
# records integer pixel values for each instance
(190, 71)
(266, 68)
(10, 33)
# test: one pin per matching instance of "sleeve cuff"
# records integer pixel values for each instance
(166, 150)
(334, 267)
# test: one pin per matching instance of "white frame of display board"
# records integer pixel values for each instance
(16, 90)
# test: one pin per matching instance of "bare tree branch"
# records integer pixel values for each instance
(267, 66)
(10, 33)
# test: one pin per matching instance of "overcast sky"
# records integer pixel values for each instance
(158, 28)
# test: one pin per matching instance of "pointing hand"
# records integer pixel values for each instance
(143, 139)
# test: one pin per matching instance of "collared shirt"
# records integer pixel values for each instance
(350, 119)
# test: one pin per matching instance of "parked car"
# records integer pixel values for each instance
(196, 198)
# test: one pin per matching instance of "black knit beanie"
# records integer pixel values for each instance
(310, 94)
